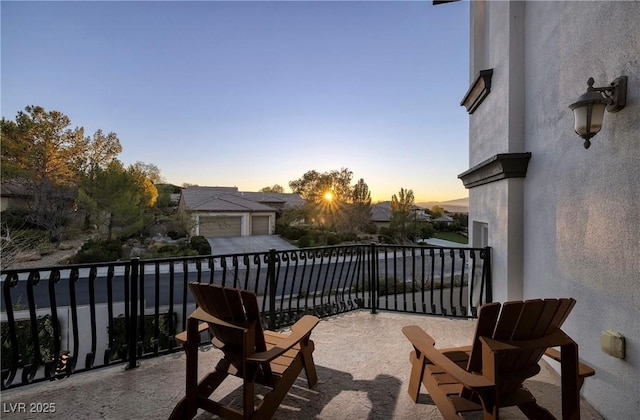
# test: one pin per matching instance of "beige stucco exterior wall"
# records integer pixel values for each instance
(576, 214)
(497, 126)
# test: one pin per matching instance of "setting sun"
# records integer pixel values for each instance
(328, 196)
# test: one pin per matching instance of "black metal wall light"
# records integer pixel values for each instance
(588, 110)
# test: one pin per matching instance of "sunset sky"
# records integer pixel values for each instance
(252, 94)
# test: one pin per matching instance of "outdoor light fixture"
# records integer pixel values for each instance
(588, 110)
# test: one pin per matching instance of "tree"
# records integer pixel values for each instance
(437, 211)
(149, 171)
(41, 151)
(359, 209)
(119, 198)
(101, 151)
(313, 185)
(273, 189)
(40, 146)
(333, 202)
(402, 218)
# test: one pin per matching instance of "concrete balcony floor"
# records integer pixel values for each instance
(363, 372)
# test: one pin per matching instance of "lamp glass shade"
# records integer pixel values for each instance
(588, 119)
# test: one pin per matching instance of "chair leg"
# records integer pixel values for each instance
(417, 373)
(535, 412)
(191, 350)
(273, 398)
(306, 350)
(569, 382)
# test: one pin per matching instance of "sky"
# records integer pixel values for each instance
(252, 94)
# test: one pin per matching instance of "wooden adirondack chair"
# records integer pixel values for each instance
(506, 350)
(264, 357)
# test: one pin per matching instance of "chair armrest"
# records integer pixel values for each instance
(207, 318)
(201, 315)
(182, 337)
(300, 330)
(424, 344)
(584, 370)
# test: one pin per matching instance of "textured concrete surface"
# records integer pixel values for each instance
(363, 371)
(244, 244)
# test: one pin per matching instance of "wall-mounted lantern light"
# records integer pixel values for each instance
(588, 110)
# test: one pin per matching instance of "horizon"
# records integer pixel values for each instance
(252, 94)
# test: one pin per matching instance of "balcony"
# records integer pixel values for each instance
(363, 370)
(96, 341)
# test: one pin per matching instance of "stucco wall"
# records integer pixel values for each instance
(497, 125)
(572, 226)
(491, 206)
(582, 207)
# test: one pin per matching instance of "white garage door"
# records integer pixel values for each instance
(260, 225)
(220, 227)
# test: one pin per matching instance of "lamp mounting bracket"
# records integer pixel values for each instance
(616, 92)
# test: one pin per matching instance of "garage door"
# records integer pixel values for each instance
(220, 227)
(260, 225)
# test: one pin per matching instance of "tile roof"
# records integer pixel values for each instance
(231, 200)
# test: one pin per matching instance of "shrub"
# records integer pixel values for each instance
(292, 233)
(314, 234)
(172, 250)
(201, 245)
(371, 228)
(349, 236)
(176, 235)
(304, 241)
(98, 251)
(118, 350)
(25, 343)
(18, 219)
(333, 239)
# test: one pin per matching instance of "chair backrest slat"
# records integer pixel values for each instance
(485, 326)
(546, 317)
(253, 314)
(234, 305)
(528, 319)
(508, 320)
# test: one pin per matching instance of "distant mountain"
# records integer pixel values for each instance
(461, 205)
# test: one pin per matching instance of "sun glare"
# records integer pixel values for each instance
(328, 196)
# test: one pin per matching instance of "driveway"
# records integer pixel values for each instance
(247, 244)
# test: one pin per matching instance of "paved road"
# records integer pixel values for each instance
(247, 244)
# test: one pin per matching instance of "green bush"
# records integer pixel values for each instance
(25, 343)
(172, 250)
(333, 239)
(98, 251)
(304, 241)
(371, 228)
(314, 234)
(201, 245)
(165, 333)
(176, 235)
(349, 237)
(18, 219)
(292, 233)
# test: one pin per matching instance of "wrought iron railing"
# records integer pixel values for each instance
(60, 320)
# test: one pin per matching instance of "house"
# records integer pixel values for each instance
(227, 212)
(381, 214)
(14, 194)
(539, 198)
(446, 219)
